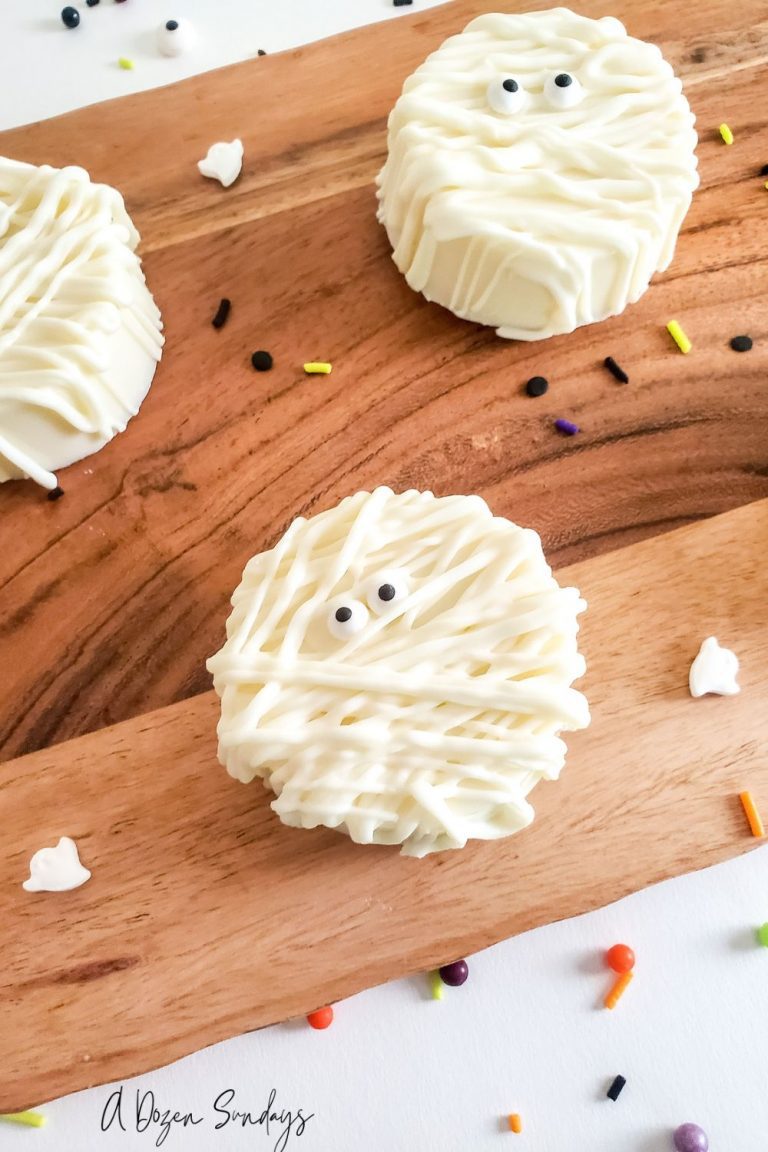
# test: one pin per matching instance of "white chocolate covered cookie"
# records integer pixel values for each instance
(80, 335)
(399, 667)
(539, 170)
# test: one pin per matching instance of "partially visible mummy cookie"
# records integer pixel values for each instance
(80, 335)
(539, 170)
(399, 668)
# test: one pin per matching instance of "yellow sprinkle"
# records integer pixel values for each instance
(317, 368)
(125, 63)
(515, 1123)
(31, 1119)
(617, 991)
(679, 336)
(756, 826)
(436, 985)
(726, 134)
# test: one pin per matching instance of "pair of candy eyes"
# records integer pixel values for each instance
(348, 617)
(507, 95)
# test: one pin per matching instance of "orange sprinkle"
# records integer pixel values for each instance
(515, 1123)
(321, 1018)
(753, 816)
(619, 988)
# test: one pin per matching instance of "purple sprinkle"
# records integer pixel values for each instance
(454, 974)
(691, 1138)
(566, 427)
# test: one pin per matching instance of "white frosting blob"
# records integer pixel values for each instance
(175, 41)
(223, 162)
(553, 217)
(80, 335)
(56, 869)
(714, 670)
(431, 724)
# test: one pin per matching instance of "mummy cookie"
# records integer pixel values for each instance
(539, 170)
(400, 668)
(80, 335)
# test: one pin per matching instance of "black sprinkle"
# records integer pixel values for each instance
(537, 386)
(70, 17)
(343, 614)
(91, 3)
(741, 343)
(171, 25)
(222, 313)
(616, 370)
(262, 361)
(261, 52)
(510, 85)
(764, 170)
(563, 80)
(56, 493)
(614, 1091)
(401, 3)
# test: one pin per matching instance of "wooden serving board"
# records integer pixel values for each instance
(205, 917)
(201, 907)
(111, 599)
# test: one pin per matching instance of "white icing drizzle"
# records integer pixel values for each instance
(432, 723)
(553, 217)
(69, 282)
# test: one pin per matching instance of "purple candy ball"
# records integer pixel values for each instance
(454, 974)
(691, 1138)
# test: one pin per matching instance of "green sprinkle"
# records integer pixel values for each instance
(436, 985)
(126, 63)
(31, 1119)
(762, 935)
(679, 337)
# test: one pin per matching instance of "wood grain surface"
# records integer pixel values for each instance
(203, 909)
(111, 599)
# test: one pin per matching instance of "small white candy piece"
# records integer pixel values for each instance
(505, 95)
(56, 869)
(223, 162)
(563, 90)
(174, 37)
(347, 618)
(714, 670)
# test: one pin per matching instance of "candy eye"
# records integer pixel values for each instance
(346, 618)
(563, 90)
(174, 37)
(506, 95)
(384, 590)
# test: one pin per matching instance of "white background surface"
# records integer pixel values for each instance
(399, 1072)
(46, 69)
